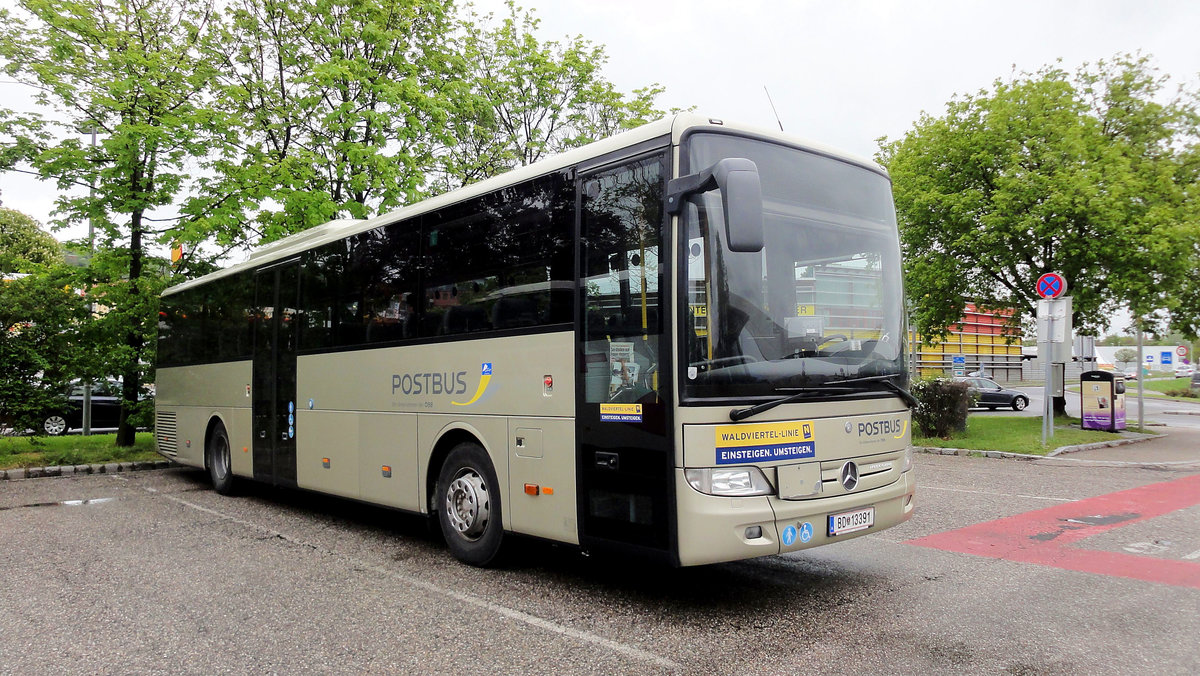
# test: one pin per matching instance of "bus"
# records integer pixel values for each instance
(684, 342)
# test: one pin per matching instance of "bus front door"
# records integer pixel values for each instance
(625, 453)
(274, 398)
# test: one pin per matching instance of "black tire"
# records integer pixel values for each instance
(218, 458)
(1020, 403)
(468, 506)
(55, 425)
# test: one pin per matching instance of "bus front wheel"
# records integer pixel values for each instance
(468, 506)
(219, 462)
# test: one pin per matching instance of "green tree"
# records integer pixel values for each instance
(42, 324)
(529, 99)
(334, 107)
(1126, 356)
(1157, 139)
(128, 69)
(1048, 172)
(24, 246)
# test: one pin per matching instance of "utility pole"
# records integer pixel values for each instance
(87, 384)
(1141, 376)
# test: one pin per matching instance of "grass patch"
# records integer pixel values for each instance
(1015, 434)
(1165, 386)
(73, 450)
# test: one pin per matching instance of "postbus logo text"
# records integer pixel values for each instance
(430, 383)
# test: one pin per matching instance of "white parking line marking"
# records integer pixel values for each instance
(924, 486)
(1193, 555)
(510, 613)
(1145, 548)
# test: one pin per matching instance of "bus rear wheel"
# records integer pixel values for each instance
(219, 461)
(468, 506)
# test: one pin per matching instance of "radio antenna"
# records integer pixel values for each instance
(773, 108)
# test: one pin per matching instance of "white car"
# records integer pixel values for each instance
(1184, 371)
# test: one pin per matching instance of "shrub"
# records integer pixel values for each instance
(1190, 394)
(942, 407)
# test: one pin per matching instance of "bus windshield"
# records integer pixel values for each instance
(823, 300)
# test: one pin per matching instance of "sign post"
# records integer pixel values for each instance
(1054, 331)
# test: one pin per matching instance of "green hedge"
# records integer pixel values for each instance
(942, 407)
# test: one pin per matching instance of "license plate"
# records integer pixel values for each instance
(849, 522)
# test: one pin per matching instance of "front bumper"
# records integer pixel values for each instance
(713, 529)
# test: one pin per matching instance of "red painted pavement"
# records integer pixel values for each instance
(1045, 536)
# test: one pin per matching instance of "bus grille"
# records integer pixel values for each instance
(166, 427)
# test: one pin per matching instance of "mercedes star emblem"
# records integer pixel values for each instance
(849, 475)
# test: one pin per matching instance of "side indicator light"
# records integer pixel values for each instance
(546, 490)
(532, 489)
(325, 463)
(245, 449)
(387, 471)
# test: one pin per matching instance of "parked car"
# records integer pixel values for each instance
(991, 395)
(68, 415)
(1184, 371)
(1195, 384)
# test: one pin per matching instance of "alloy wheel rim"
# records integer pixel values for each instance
(221, 458)
(55, 424)
(468, 504)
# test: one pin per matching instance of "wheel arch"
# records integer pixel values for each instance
(447, 439)
(213, 421)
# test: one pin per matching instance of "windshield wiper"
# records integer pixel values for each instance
(834, 386)
(904, 394)
(797, 393)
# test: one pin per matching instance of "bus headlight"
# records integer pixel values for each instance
(734, 482)
(908, 460)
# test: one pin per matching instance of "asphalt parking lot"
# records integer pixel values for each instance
(1008, 566)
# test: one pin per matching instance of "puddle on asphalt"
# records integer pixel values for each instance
(61, 503)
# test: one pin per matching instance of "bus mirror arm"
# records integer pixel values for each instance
(741, 195)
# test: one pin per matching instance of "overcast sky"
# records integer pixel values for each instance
(840, 72)
(846, 73)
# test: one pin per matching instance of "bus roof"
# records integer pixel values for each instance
(674, 126)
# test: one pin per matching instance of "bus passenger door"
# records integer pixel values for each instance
(274, 398)
(625, 458)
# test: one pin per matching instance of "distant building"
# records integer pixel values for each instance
(982, 338)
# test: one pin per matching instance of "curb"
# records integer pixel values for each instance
(1181, 412)
(75, 470)
(935, 450)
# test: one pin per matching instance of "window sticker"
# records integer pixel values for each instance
(740, 444)
(624, 369)
(621, 413)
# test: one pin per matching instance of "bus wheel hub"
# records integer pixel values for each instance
(467, 504)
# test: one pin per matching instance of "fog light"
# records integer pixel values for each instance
(753, 532)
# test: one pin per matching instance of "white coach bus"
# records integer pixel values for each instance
(686, 341)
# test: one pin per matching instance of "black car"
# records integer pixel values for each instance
(106, 408)
(991, 395)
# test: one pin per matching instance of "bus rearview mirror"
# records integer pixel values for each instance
(741, 194)
(741, 197)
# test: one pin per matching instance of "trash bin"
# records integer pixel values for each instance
(1103, 395)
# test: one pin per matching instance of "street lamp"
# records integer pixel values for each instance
(89, 126)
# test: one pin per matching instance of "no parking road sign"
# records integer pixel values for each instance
(1051, 285)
